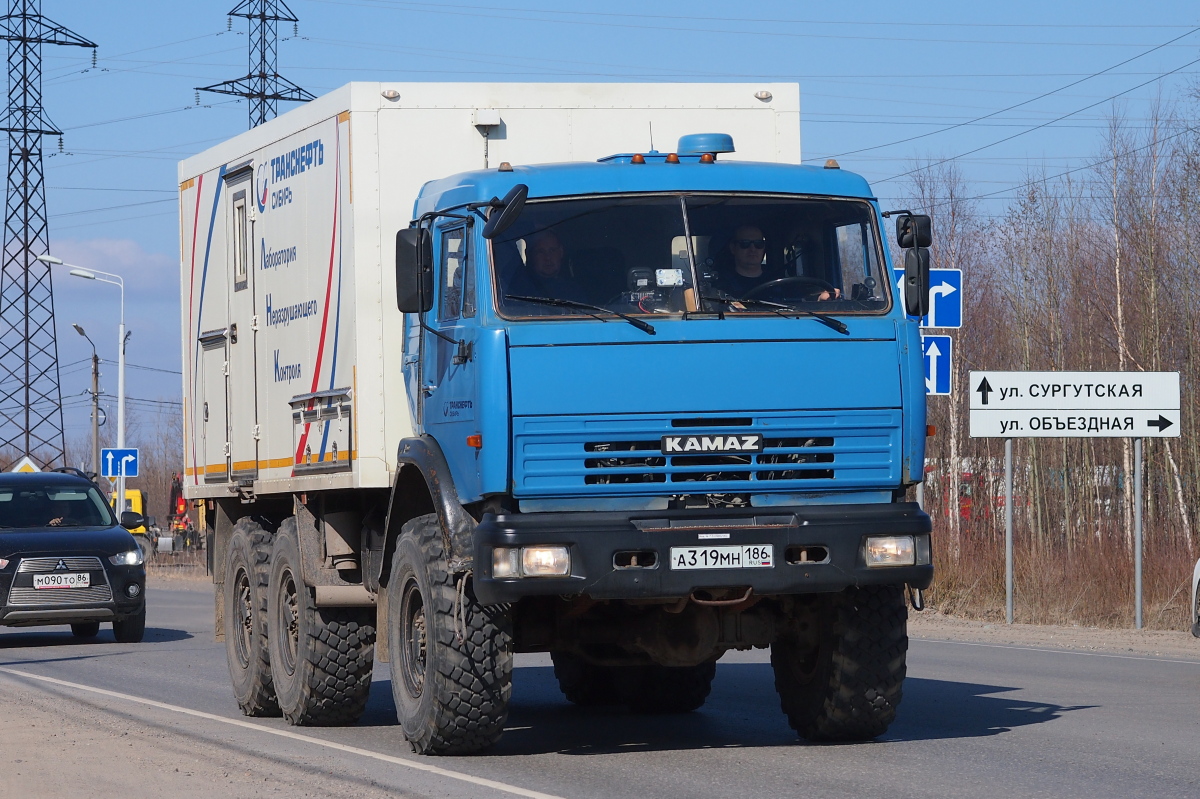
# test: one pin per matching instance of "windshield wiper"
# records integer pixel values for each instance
(783, 311)
(587, 308)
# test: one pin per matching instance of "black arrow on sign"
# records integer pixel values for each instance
(1162, 422)
(984, 389)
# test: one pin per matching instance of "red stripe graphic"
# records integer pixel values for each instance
(191, 309)
(337, 183)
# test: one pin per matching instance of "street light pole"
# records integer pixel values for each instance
(108, 277)
(95, 403)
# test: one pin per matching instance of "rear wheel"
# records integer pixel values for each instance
(582, 683)
(247, 566)
(451, 691)
(321, 658)
(131, 629)
(847, 687)
(85, 629)
(666, 689)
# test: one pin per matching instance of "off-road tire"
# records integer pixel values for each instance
(666, 689)
(321, 658)
(451, 693)
(131, 629)
(849, 687)
(85, 629)
(582, 683)
(247, 569)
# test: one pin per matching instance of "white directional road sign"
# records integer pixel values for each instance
(1074, 404)
(945, 297)
(939, 352)
(117, 462)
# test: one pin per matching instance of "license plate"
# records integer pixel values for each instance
(63, 580)
(747, 556)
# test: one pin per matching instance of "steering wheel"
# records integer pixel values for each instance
(773, 285)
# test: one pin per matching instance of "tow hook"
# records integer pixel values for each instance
(916, 598)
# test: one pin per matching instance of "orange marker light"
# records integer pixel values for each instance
(930, 430)
(672, 159)
(475, 441)
(637, 159)
(707, 158)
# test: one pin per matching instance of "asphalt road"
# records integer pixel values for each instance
(977, 720)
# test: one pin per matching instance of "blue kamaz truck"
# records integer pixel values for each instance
(633, 412)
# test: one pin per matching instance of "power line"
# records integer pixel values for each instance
(1022, 103)
(1039, 127)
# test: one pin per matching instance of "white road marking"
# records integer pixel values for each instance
(1058, 651)
(354, 750)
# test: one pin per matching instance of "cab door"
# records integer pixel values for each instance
(449, 397)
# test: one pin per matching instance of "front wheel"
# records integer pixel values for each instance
(451, 686)
(131, 629)
(848, 686)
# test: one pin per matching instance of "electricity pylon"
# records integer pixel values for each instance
(31, 419)
(263, 86)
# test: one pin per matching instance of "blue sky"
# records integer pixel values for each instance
(871, 75)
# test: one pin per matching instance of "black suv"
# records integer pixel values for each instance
(64, 558)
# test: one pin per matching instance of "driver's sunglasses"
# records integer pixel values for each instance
(758, 244)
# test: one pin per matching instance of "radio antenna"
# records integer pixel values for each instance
(652, 137)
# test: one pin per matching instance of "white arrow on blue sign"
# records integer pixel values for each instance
(945, 297)
(119, 462)
(939, 353)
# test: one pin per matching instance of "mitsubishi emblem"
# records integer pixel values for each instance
(62, 564)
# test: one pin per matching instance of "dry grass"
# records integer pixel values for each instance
(1091, 586)
(178, 566)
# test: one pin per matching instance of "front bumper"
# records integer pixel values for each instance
(595, 539)
(21, 607)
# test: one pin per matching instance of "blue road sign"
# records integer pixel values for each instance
(945, 297)
(939, 352)
(117, 462)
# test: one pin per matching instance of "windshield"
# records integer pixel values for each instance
(52, 507)
(645, 255)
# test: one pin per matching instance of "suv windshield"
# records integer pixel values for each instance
(52, 507)
(647, 254)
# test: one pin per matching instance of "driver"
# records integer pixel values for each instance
(543, 274)
(748, 246)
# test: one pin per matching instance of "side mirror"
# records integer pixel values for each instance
(414, 270)
(914, 230)
(916, 281)
(503, 215)
(131, 520)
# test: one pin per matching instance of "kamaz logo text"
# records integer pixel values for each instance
(673, 444)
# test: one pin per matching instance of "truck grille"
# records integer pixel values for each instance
(610, 455)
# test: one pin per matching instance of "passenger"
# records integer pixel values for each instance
(748, 248)
(543, 274)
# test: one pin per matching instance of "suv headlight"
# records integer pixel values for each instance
(131, 558)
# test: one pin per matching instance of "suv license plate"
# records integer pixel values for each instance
(746, 556)
(63, 580)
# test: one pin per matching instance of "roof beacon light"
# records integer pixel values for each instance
(504, 167)
(832, 164)
(638, 158)
(699, 143)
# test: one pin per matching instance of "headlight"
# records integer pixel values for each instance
(889, 550)
(508, 562)
(131, 558)
(545, 561)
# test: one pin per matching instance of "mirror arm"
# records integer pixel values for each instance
(905, 211)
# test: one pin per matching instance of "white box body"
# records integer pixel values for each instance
(287, 239)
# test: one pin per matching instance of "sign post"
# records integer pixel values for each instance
(1133, 405)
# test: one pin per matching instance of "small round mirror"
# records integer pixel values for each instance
(502, 218)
